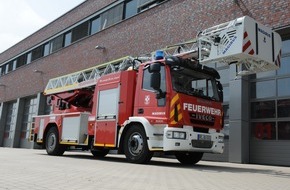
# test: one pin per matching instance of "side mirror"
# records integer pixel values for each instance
(219, 85)
(155, 81)
(220, 90)
(155, 68)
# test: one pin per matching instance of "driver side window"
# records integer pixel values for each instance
(146, 84)
(146, 80)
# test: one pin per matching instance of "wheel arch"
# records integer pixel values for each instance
(142, 122)
(47, 128)
(123, 132)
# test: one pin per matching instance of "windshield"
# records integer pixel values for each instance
(195, 84)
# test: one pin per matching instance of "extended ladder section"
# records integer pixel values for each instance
(87, 77)
(249, 45)
(244, 42)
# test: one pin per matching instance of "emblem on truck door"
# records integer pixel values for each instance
(147, 100)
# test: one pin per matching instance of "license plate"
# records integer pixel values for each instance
(203, 137)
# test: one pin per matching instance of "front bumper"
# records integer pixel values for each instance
(192, 141)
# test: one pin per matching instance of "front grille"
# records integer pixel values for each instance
(199, 122)
(202, 119)
(201, 130)
(201, 144)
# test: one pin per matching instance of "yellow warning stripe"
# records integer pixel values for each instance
(174, 100)
(172, 111)
(105, 145)
(68, 143)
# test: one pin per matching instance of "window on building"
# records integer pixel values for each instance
(263, 109)
(67, 38)
(147, 4)
(7, 68)
(46, 49)
(283, 108)
(14, 63)
(283, 87)
(284, 130)
(28, 60)
(263, 89)
(112, 16)
(95, 25)
(37, 53)
(80, 31)
(131, 8)
(285, 66)
(21, 60)
(286, 46)
(10, 66)
(56, 43)
(264, 130)
(2, 70)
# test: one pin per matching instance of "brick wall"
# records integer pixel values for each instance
(172, 22)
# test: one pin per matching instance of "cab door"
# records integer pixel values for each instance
(147, 103)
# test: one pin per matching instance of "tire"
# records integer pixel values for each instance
(188, 158)
(52, 143)
(135, 145)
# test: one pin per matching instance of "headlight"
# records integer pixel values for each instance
(176, 135)
(221, 139)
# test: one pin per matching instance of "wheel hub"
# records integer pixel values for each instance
(135, 144)
(51, 141)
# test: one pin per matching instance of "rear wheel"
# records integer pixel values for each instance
(136, 147)
(188, 158)
(52, 143)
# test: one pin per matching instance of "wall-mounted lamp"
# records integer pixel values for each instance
(100, 47)
(37, 71)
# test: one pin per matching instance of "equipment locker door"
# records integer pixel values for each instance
(107, 116)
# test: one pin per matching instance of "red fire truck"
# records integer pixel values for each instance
(169, 101)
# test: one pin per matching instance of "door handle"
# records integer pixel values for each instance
(140, 111)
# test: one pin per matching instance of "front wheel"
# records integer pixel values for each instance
(188, 158)
(52, 143)
(135, 145)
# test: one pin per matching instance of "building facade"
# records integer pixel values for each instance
(257, 107)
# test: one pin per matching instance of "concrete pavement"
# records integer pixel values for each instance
(33, 169)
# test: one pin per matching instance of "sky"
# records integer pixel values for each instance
(21, 18)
